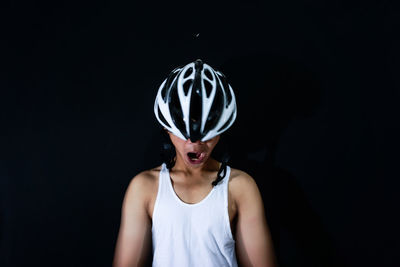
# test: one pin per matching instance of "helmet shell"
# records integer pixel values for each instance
(195, 102)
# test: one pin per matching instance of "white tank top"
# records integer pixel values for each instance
(191, 235)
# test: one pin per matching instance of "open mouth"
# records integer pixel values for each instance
(195, 157)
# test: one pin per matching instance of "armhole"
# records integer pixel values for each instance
(226, 204)
(158, 195)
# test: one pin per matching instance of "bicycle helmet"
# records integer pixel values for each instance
(195, 102)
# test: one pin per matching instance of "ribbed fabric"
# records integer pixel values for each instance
(191, 235)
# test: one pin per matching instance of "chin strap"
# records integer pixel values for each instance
(222, 170)
(168, 151)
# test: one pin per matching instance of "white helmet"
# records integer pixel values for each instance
(195, 102)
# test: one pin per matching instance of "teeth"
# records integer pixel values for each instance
(192, 155)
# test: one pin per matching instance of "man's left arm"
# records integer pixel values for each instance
(253, 239)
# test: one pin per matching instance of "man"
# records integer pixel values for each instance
(193, 210)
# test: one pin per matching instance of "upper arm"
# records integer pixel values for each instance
(253, 240)
(134, 236)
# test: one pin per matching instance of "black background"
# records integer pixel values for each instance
(317, 91)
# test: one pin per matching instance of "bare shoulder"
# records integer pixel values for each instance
(143, 184)
(241, 180)
(146, 177)
(242, 185)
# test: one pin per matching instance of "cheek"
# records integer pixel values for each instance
(181, 148)
(179, 145)
(212, 145)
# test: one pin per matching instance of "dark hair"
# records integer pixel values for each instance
(168, 154)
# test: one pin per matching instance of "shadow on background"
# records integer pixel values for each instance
(270, 93)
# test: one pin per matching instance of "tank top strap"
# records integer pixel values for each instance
(161, 191)
(163, 167)
(225, 183)
(164, 175)
(225, 201)
(227, 174)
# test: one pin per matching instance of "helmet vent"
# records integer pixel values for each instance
(227, 123)
(164, 92)
(208, 86)
(208, 74)
(161, 116)
(175, 109)
(228, 97)
(167, 84)
(186, 87)
(188, 72)
(227, 89)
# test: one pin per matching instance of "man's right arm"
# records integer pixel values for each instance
(134, 239)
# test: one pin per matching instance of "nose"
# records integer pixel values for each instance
(195, 142)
